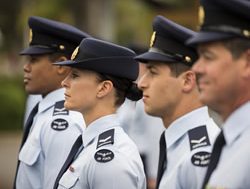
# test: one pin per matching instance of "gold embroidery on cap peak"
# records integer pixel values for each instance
(74, 53)
(152, 40)
(201, 15)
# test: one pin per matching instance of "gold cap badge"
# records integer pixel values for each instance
(74, 53)
(152, 40)
(201, 15)
(30, 35)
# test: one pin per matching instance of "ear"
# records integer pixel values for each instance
(188, 81)
(62, 70)
(104, 88)
(246, 59)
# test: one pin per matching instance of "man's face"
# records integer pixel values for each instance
(39, 75)
(218, 76)
(161, 90)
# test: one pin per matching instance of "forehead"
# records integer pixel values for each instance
(38, 55)
(155, 64)
(85, 72)
(210, 46)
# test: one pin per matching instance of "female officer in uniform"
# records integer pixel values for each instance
(101, 78)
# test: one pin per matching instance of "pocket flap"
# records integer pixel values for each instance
(68, 179)
(29, 154)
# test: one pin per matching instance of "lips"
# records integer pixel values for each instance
(66, 95)
(26, 80)
(145, 97)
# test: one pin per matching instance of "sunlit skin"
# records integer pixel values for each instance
(167, 96)
(223, 80)
(41, 76)
(85, 94)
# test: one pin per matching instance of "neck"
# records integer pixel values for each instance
(93, 115)
(227, 106)
(184, 107)
(230, 108)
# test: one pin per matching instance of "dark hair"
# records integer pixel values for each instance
(125, 88)
(236, 46)
(55, 56)
(178, 68)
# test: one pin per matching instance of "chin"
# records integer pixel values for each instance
(68, 106)
(150, 112)
(207, 100)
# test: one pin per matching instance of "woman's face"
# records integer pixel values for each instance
(81, 90)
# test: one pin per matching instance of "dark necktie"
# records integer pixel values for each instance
(162, 159)
(215, 156)
(26, 132)
(28, 124)
(75, 148)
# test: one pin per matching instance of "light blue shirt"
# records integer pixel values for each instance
(112, 162)
(188, 138)
(52, 135)
(144, 130)
(233, 168)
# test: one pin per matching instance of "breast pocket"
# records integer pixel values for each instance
(29, 154)
(68, 180)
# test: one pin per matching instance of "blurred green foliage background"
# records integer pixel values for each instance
(12, 98)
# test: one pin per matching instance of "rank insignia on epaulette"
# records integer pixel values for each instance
(201, 159)
(106, 138)
(59, 109)
(198, 137)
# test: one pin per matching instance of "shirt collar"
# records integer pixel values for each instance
(189, 121)
(49, 99)
(99, 126)
(236, 123)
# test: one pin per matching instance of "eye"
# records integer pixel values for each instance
(74, 75)
(33, 59)
(152, 70)
(207, 55)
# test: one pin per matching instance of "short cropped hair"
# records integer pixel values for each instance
(237, 46)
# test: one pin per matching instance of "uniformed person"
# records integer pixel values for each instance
(47, 142)
(143, 129)
(170, 92)
(223, 71)
(101, 78)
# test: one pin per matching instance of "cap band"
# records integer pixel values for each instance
(228, 29)
(177, 57)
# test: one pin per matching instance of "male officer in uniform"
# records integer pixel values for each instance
(170, 92)
(223, 71)
(50, 130)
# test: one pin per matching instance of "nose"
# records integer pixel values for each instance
(27, 67)
(142, 82)
(198, 66)
(65, 82)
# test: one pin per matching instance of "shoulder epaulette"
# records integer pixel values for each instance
(198, 137)
(105, 138)
(59, 109)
